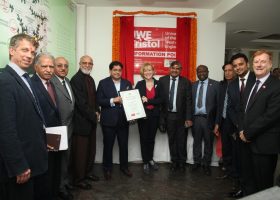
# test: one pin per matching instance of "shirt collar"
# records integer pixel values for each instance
(17, 69)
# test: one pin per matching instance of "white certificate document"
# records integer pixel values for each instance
(60, 130)
(132, 104)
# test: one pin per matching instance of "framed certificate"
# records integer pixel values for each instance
(132, 104)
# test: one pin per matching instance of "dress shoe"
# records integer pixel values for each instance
(222, 177)
(146, 168)
(173, 167)
(84, 185)
(69, 187)
(126, 172)
(182, 167)
(207, 170)
(64, 195)
(236, 194)
(153, 165)
(195, 167)
(92, 178)
(107, 175)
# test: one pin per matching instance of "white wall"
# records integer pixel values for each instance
(210, 51)
(211, 38)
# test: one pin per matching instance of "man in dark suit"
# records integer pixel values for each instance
(205, 94)
(84, 124)
(225, 126)
(259, 124)
(23, 149)
(113, 120)
(235, 93)
(175, 93)
(44, 68)
(65, 103)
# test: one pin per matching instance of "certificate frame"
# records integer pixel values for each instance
(132, 104)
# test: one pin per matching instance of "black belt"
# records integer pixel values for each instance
(201, 115)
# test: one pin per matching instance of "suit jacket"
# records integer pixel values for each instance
(156, 101)
(234, 103)
(84, 119)
(49, 109)
(212, 100)
(260, 121)
(183, 98)
(64, 102)
(22, 137)
(111, 116)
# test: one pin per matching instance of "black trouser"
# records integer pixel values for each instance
(201, 132)
(35, 188)
(147, 130)
(227, 129)
(177, 138)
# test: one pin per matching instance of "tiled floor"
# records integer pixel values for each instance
(160, 185)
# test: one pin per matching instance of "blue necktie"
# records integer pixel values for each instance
(171, 95)
(200, 95)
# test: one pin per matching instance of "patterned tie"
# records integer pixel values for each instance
(64, 85)
(38, 107)
(51, 92)
(254, 92)
(171, 95)
(200, 95)
(225, 106)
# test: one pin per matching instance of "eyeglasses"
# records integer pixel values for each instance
(62, 65)
(87, 63)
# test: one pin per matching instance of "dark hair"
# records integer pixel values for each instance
(239, 55)
(115, 63)
(226, 63)
(176, 62)
(204, 66)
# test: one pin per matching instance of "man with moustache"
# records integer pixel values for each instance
(44, 68)
(84, 125)
(65, 105)
(113, 120)
(245, 79)
(205, 94)
(175, 93)
(259, 125)
(224, 125)
(23, 149)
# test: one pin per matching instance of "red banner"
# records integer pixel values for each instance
(156, 46)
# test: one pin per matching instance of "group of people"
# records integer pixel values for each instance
(243, 108)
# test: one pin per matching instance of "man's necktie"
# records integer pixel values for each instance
(171, 94)
(200, 95)
(38, 107)
(225, 106)
(51, 92)
(242, 86)
(64, 85)
(254, 92)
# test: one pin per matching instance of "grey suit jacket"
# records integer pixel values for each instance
(65, 103)
(212, 100)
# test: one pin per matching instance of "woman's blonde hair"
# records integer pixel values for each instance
(145, 65)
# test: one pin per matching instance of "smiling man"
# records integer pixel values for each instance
(259, 124)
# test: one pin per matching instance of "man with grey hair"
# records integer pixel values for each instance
(84, 125)
(44, 67)
(23, 149)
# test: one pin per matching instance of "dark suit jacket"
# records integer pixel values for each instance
(183, 98)
(234, 104)
(156, 101)
(50, 111)
(22, 137)
(84, 119)
(260, 121)
(111, 116)
(212, 100)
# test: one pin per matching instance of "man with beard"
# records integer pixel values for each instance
(84, 124)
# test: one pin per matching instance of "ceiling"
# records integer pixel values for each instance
(246, 23)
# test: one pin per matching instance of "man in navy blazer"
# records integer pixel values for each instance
(205, 94)
(112, 119)
(44, 67)
(23, 148)
(259, 124)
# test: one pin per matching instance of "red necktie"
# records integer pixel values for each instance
(51, 92)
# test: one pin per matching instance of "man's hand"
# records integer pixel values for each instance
(24, 177)
(216, 130)
(242, 136)
(144, 99)
(188, 123)
(117, 100)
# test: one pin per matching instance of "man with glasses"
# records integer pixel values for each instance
(176, 95)
(84, 125)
